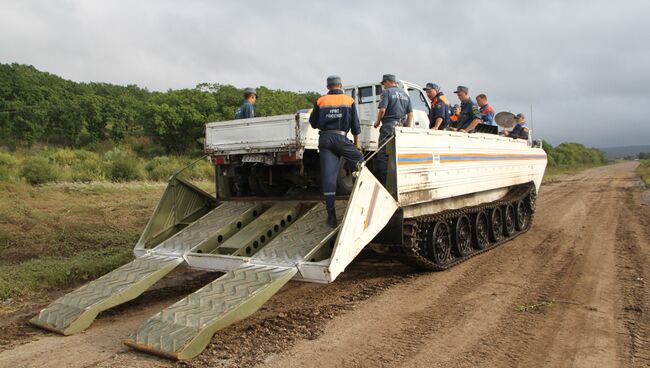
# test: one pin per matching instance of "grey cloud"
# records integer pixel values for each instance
(582, 64)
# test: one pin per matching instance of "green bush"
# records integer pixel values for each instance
(77, 165)
(8, 165)
(88, 170)
(39, 170)
(64, 157)
(160, 168)
(202, 170)
(122, 165)
(573, 154)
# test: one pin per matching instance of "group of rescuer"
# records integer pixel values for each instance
(335, 114)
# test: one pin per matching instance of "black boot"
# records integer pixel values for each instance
(331, 218)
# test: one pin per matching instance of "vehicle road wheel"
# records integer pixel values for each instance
(463, 236)
(496, 225)
(440, 243)
(509, 220)
(523, 216)
(481, 231)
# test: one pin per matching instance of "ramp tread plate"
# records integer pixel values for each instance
(182, 330)
(301, 237)
(203, 228)
(76, 310)
(260, 226)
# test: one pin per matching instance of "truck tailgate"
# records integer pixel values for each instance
(265, 134)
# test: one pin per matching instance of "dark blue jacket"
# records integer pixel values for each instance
(440, 108)
(245, 111)
(519, 131)
(335, 111)
(397, 104)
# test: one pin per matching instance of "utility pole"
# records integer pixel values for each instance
(531, 118)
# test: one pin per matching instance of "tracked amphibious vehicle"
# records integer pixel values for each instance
(448, 197)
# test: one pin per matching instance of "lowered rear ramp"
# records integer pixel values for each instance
(184, 329)
(75, 311)
(259, 245)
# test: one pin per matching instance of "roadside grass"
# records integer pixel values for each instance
(119, 164)
(52, 271)
(644, 171)
(66, 233)
(554, 172)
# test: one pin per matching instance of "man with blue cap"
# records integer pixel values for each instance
(440, 114)
(394, 109)
(520, 131)
(470, 115)
(247, 110)
(335, 114)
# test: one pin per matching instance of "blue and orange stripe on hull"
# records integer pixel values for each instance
(427, 158)
(468, 157)
(371, 206)
(414, 159)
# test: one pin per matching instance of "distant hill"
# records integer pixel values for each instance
(620, 152)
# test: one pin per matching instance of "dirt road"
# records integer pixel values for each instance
(570, 292)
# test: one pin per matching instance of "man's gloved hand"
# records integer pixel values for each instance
(358, 146)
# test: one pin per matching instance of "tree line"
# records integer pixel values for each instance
(39, 107)
(573, 154)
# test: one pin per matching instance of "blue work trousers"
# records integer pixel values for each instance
(386, 130)
(331, 148)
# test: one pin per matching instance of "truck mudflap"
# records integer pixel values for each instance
(370, 208)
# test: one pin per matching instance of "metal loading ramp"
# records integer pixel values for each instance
(75, 311)
(184, 329)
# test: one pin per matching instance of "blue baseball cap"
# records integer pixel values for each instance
(388, 78)
(431, 86)
(333, 80)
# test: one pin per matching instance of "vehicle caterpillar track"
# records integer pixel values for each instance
(440, 241)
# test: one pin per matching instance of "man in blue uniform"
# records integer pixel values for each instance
(439, 116)
(470, 116)
(394, 110)
(247, 110)
(335, 114)
(487, 111)
(520, 131)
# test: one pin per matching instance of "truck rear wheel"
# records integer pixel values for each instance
(345, 180)
(262, 185)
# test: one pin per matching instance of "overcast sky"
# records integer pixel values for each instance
(583, 65)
